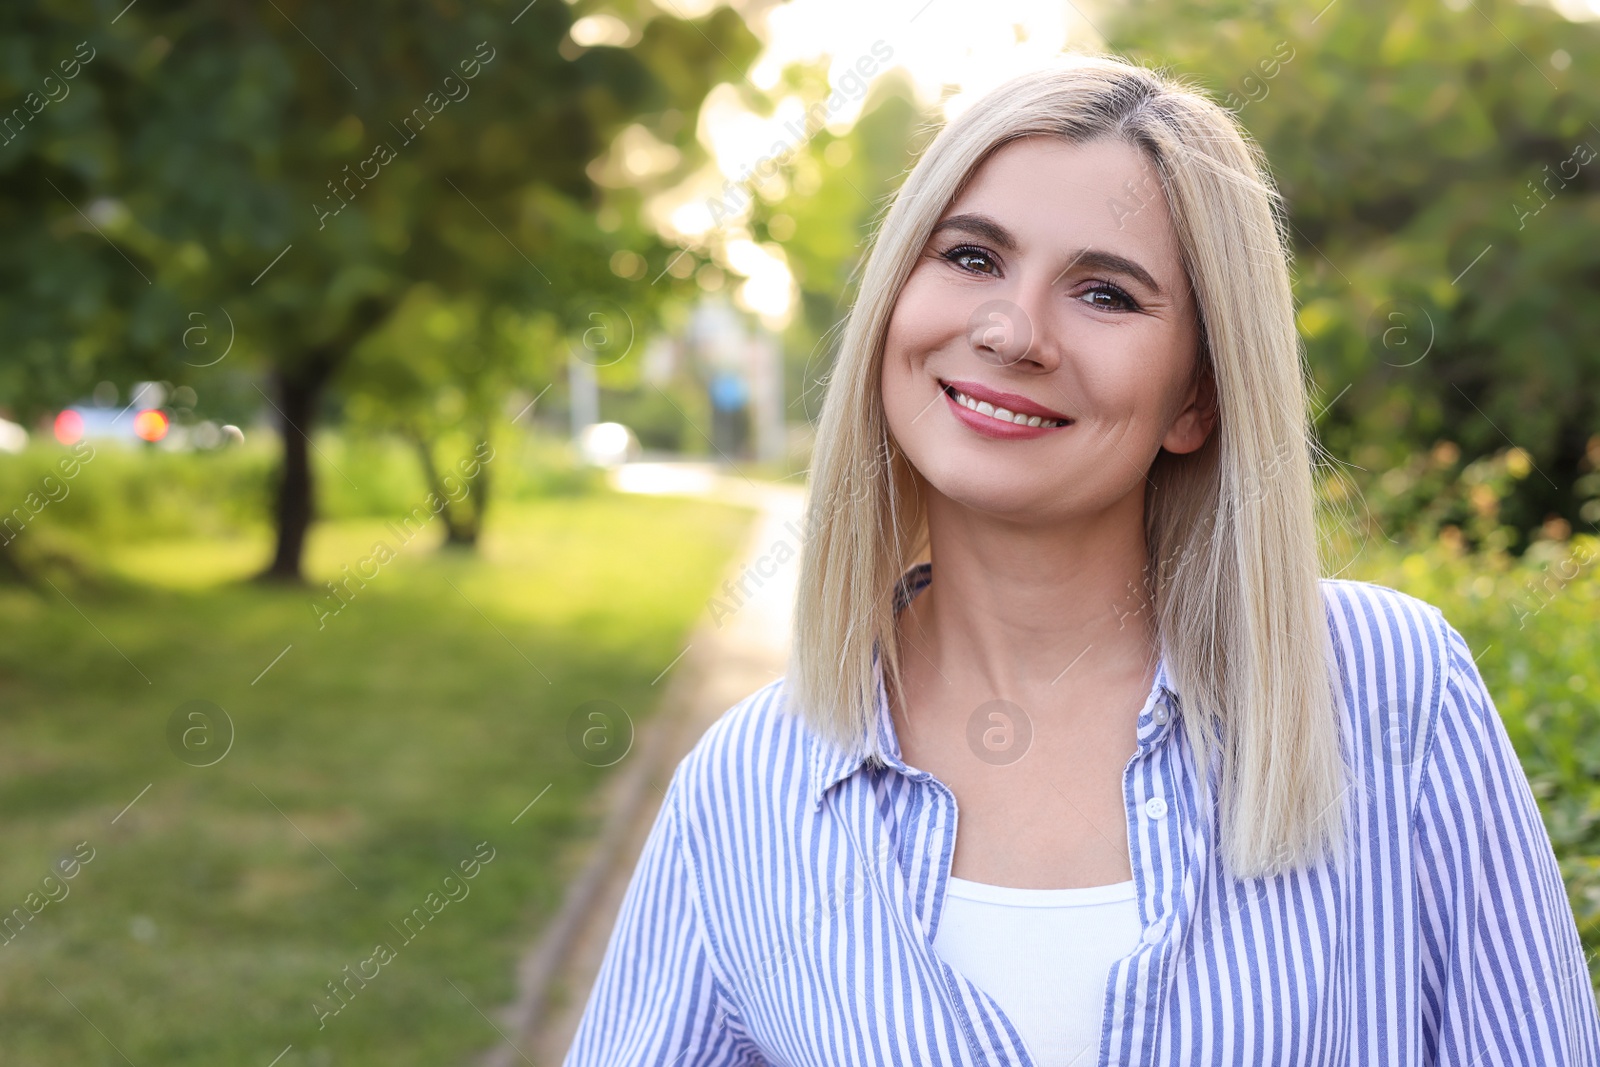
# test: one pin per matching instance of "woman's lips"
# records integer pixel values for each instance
(1006, 416)
(995, 398)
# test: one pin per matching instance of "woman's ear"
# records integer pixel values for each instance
(1197, 417)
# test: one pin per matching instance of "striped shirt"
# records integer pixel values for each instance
(786, 903)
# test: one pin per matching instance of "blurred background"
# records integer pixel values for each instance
(397, 400)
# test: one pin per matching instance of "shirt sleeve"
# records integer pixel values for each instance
(656, 1002)
(1504, 979)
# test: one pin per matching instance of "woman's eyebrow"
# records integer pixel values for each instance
(1095, 259)
(992, 231)
(979, 226)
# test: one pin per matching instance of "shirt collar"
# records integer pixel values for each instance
(832, 764)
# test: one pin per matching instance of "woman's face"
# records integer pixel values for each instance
(1052, 289)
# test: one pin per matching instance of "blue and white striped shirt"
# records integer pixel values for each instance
(785, 907)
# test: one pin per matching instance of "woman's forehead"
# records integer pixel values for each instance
(1048, 194)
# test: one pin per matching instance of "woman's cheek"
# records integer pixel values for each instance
(926, 316)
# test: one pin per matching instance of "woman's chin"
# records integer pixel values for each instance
(1004, 495)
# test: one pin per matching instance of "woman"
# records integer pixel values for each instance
(1212, 808)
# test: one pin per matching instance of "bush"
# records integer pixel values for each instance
(1433, 494)
(663, 422)
(121, 494)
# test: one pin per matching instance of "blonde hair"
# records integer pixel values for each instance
(1235, 581)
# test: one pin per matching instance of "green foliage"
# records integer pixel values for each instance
(1432, 157)
(436, 145)
(310, 172)
(837, 189)
(664, 420)
(1439, 494)
(387, 480)
(125, 495)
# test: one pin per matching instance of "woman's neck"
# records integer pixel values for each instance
(1015, 607)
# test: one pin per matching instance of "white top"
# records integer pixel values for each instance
(1044, 956)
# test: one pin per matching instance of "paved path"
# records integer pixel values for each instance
(727, 659)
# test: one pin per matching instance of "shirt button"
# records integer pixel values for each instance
(1154, 933)
(1160, 714)
(1155, 807)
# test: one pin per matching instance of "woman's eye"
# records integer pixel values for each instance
(1110, 298)
(973, 259)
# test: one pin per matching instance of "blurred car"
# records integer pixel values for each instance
(82, 421)
(144, 419)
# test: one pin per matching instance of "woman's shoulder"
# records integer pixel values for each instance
(1398, 660)
(1379, 597)
(759, 753)
(1376, 628)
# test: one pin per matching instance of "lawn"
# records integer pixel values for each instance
(382, 763)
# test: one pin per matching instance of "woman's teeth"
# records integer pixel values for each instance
(983, 407)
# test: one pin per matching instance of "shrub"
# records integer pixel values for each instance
(124, 494)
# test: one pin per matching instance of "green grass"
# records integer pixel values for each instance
(417, 723)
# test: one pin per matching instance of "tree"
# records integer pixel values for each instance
(837, 193)
(1440, 167)
(297, 170)
(438, 374)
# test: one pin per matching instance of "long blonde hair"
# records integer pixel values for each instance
(1235, 581)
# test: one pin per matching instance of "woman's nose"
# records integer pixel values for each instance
(1003, 333)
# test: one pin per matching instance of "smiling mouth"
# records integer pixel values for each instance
(983, 407)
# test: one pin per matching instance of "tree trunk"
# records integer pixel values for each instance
(298, 395)
(480, 490)
(299, 387)
(462, 520)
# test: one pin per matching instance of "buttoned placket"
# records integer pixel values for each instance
(1164, 896)
(930, 816)
(1152, 735)
(1166, 854)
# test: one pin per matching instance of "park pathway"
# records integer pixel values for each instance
(727, 659)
